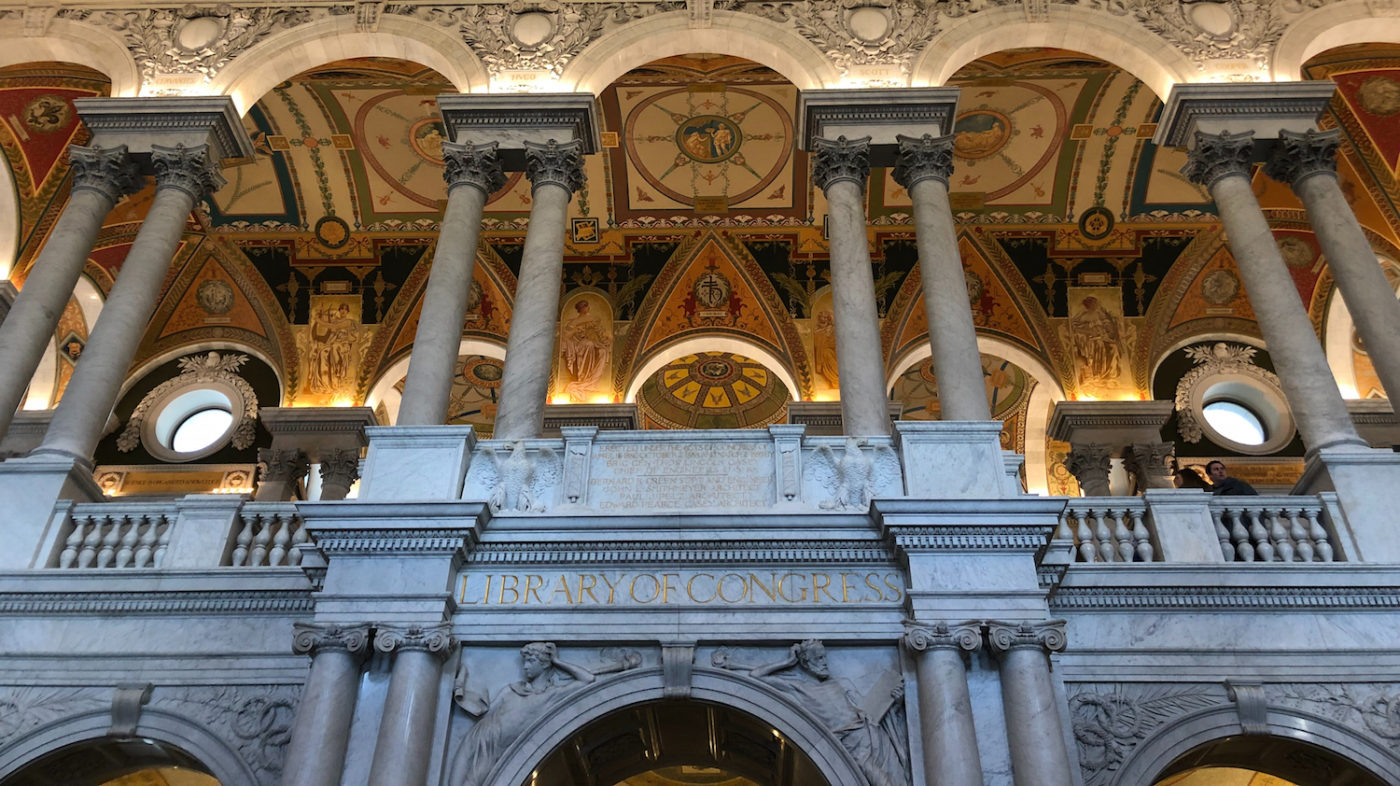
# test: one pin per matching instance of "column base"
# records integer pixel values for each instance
(1363, 480)
(31, 488)
(954, 460)
(416, 462)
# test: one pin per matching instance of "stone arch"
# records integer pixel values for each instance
(1328, 28)
(382, 390)
(708, 685)
(150, 364)
(1118, 41)
(1047, 392)
(284, 55)
(222, 761)
(711, 343)
(74, 42)
(1188, 732)
(664, 35)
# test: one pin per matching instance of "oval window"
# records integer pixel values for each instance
(1235, 422)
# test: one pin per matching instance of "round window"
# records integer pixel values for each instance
(200, 430)
(1235, 422)
(193, 424)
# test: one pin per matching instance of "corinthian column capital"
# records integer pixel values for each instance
(310, 639)
(189, 169)
(556, 164)
(434, 639)
(921, 636)
(108, 171)
(840, 159)
(1300, 156)
(282, 464)
(1006, 636)
(1219, 155)
(924, 158)
(340, 466)
(477, 166)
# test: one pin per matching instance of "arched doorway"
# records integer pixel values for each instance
(115, 762)
(677, 743)
(1263, 761)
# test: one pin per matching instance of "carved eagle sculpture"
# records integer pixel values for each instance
(519, 481)
(853, 478)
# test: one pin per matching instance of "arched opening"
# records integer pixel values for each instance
(115, 762)
(1263, 761)
(677, 743)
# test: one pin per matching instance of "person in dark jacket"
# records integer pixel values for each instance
(1222, 485)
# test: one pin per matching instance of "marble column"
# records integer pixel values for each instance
(556, 172)
(1308, 162)
(1221, 163)
(340, 468)
(840, 169)
(100, 178)
(184, 176)
(923, 168)
(946, 725)
(473, 173)
(321, 731)
(279, 472)
(1038, 754)
(406, 728)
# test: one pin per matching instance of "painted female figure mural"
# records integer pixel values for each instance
(586, 346)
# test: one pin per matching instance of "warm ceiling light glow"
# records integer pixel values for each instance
(343, 401)
(559, 399)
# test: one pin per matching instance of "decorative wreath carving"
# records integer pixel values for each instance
(198, 371)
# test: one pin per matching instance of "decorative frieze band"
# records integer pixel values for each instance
(111, 603)
(965, 537)
(724, 552)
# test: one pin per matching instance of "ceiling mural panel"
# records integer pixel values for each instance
(713, 390)
(1009, 390)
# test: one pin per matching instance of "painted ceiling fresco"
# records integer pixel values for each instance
(1084, 248)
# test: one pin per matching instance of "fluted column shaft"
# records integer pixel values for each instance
(1220, 162)
(555, 172)
(841, 169)
(923, 169)
(1033, 729)
(473, 173)
(406, 728)
(321, 731)
(946, 725)
(1308, 162)
(100, 178)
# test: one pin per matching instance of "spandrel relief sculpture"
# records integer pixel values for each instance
(870, 724)
(548, 679)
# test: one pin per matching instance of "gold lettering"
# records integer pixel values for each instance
(743, 587)
(666, 587)
(582, 588)
(533, 585)
(632, 589)
(870, 582)
(611, 587)
(898, 590)
(758, 586)
(783, 590)
(562, 586)
(462, 595)
(846, 589)
(486, 596)
(820, 583)
(514, 593)
(690, 588)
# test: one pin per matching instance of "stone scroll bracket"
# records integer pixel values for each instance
(127, 702)
(677, 669)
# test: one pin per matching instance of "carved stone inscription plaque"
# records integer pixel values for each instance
(712, 587)
(682, 476)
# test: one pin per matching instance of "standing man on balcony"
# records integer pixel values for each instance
(1222, 485)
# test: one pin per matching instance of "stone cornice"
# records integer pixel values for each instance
(165, 120)
(1261, 108)
(709, 552)
(1114, 598)
(970, 537)
(217, 602)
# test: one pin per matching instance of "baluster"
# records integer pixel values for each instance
(1299, 534)
(1142, 539)
(128, 541)
(1260, 536)
(1319, 535)
(146, 547)
(1283, 546)
(162, 541)
(1063, 532)
(280, 541)
(1244, 550)
(258, 555)
(1222, 533)
(300, 538)
(1123, 536)
(241, 543)
(72, 544)
(91, 539)
(1103, 536)
(1086, 537)
(109, 542)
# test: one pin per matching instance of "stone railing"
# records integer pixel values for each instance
(267, 534)
(1272, 529)
(1108, 529)
(115, 535)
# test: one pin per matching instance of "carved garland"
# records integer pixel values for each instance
(194, 370)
